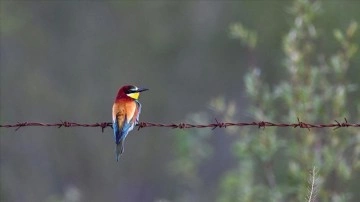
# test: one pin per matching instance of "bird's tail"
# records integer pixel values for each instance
(119, 149)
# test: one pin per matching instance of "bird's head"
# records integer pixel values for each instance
(130, 91)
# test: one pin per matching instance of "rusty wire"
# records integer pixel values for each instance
(216, 124)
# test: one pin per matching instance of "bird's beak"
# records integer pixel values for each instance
(142, 89)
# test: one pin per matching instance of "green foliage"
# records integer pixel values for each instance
(274, 164)
(246, 36)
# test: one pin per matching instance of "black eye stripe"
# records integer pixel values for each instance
(131, 90)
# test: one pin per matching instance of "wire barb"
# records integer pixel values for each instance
(217, 124)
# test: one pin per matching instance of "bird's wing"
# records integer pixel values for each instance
(122, 119)
(118, 114)
(131, 110)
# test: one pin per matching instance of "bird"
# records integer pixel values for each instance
(125, 115)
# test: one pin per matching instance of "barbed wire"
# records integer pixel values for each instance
(217, 124)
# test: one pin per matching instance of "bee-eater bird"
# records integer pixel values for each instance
(125, 115)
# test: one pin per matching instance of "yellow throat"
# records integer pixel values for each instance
(134, 95)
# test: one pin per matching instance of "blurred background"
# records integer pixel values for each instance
(230, 60)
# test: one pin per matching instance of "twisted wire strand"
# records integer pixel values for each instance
(216, 124)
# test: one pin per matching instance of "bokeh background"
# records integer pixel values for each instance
(230, 60)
